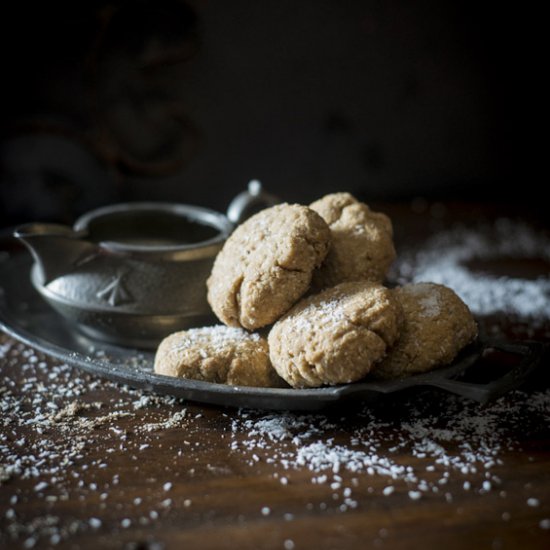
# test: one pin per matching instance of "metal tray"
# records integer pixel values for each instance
(25, 316)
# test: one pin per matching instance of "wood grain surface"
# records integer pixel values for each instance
(86, 463)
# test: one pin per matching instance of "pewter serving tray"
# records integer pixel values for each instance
(25, 316)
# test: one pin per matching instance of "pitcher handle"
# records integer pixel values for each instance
(249, 202)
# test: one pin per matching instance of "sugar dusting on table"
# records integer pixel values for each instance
(346, 458)
(414, 451)
(445, 259)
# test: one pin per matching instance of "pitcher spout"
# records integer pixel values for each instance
(56, 249)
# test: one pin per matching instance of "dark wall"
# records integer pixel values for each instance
(165, 100)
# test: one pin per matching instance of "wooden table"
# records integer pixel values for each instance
(89, 464)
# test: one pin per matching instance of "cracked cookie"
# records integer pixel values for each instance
(362, 241)
(336, 336)
(437, 324)
(266, 265)
(217, 354)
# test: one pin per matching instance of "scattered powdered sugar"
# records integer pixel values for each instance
(444, 259)
(53, 406)
(217, 337)
(419, 447)
(470, 444)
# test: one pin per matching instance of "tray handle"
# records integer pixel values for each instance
(531, 353)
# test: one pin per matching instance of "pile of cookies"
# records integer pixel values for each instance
(299, 290)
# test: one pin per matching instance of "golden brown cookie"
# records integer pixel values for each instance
(335, 336)
(217, 354)
(362, 241)
(437, 324)
(266, 265)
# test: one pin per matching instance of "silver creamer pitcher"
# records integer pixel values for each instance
(132, 273)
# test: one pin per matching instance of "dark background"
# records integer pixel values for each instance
(166, 100)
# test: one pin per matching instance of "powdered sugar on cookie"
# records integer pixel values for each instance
(428, 299)
(217, 337)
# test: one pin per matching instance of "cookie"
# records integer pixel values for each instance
(362, 241)
(437, 324)
(217, 354)
(266, 265)
(336, 336)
